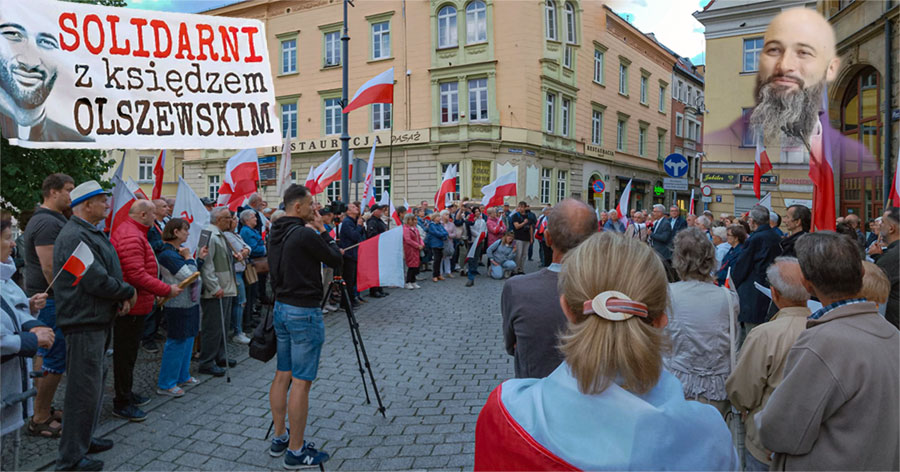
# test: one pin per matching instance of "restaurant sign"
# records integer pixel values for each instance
(333, 143)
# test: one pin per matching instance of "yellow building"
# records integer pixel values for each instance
(139, 166)
(564, 93)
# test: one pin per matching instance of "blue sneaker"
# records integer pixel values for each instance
(280, 445)
(308, 457)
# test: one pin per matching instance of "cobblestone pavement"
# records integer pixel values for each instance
(436, 354)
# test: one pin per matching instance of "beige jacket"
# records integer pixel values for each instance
(760, 369)
(218, 268)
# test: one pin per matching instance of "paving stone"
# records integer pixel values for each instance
(191, 459)
(431, 462)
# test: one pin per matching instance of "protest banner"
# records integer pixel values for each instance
(77, 75)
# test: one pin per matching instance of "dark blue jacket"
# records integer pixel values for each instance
(760, 249)
(662, 237)
(435, 235)
(728, 261)
(254, 240)
(351, 233)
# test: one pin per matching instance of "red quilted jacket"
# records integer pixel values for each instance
(138, 264)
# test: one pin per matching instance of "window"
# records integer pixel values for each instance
(478, 100)
(449, 102)
(289, 119)
(333, 49)
(551, 111)
(662, 98)
(597, 128)
(749, 139)
(571, 37)
(289, 56)
(545, 185)
(213, 181)
(679, 125)
(561, 185)
(660, 145)
(644, 89)
(567, 57)
(333, 191)
(333, 117)
(642, 140)
(598, 66)
(690, 95)
(145, 168)
(621, 138)
(447, 27)
(623, 79)
(550, 19)
(382, 181)
(566, 105)
(752, 48)
(476, 22)
(381, 40)
(455, 195)
(381, 116)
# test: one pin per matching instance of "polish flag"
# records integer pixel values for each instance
(895, 186)
(189, 208)
(380, 261)
(135, 189)
(821, 172)
(406, 205)
(504, 186)
(448, 186)
(760, 167)
(477, 242)
(77, 264)
(311, 181)
(330, 171)
(622, 207)
(241, 179)
(369, 192)
(284, 168)
(158, 172)
(692, 202)
(386, 200)
(122, 199)
(379, 89)
(107, 223)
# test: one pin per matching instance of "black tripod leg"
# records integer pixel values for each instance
(271, 425)
(357, 338)
(327, 295)
(348, 308)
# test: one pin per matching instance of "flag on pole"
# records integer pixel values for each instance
(761, 165)
(284, 169)
(766, 201)
(821, 172)
(158, 171)
(369, 193)
(135, 189)
(123, 197)
(692, 203)
(379, 89)
(504, 186)
(311, 181)
(476, 242)
(107, 223)
(622, 207)
(380, 261)
(241, 179)
(406, 205)
(330, 171)
(77, 264)
(895, 186)
(386, 201)
(448, 186)
(189, 208)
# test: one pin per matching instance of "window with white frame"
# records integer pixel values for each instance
(561, 177)
(455, 195)
(749, 138)
(381, 40)
(551, 112)
(332, 49)
(381, 116)
(476, 22)
(333, 114)
(690, 95)
(571, 36)
(566, 108)
(289, 56)
(382, 181)
(644, 91)
(752, 49)
(662, 98)
(449, 102)
(289, 119)
(623, 79)
(550, 19)
(660, 144)
(213, 186)
(642, 141)
(679, 125)
(621, 136)
(333, 191)
(478, 100)
(568, 55)
(145, 168)
(598, 66)
(597, 128)
(447, 27)
(546, 175)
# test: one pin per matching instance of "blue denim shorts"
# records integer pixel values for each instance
(55, 357)
(300, 332)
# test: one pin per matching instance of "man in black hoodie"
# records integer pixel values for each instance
(351, 232)
(298, 246)
(375, 226)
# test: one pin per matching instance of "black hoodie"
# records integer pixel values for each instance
(296, 255)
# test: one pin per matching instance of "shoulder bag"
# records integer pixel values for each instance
(264, 344)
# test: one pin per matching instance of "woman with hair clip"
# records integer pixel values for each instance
(610, 404)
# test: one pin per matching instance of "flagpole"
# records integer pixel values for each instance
(345, 137)
(391, 143)
(54, 280)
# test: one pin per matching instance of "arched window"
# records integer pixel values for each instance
(476, 22)
(447, 27)
(861, 176)
(550, 17)
(571, 37)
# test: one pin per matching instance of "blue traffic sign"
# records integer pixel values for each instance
(598, 186)
(675, 165)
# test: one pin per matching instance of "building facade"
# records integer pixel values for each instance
(138, 165)
(586, 99)
(687, 127)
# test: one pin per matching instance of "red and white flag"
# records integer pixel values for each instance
(895, 186)
(107, 223)
(77, 264)
(476, 241)
(494, 192)
(380, 261)
(761, 165)
(622, 207)
(135, 189)
(311, 181)
(448, 186)
(386, 200)
(330, 171)
(379, 89)
(284, 168)
(189, 208)
(122, 199)
(821, 172)
(691, 212)
(369, 192)
(241, 179)
(406, 205)
(158, 171)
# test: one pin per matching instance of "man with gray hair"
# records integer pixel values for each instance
(838, 403)
(662, 235)
(219, 288)
(529, 303)
(760, 249)
(761, 365)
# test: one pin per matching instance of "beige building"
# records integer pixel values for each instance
(139, 164)
(565, 93)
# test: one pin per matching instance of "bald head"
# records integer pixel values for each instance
(799, 45)
(570, 222)
(142, 211)
(786, 281)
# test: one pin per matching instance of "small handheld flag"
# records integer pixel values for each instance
(77, 264)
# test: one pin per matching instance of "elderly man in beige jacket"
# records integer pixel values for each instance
(761, 365)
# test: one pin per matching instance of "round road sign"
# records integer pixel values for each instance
(706, 190)
(598, 186)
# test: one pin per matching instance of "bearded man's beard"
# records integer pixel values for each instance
(781, 114)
